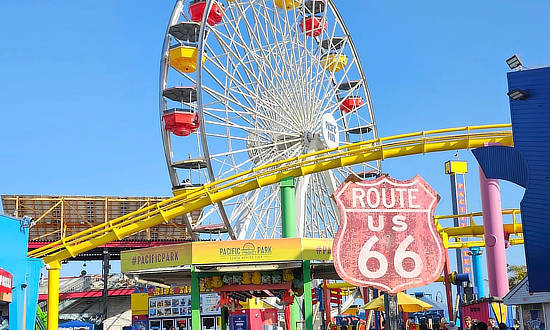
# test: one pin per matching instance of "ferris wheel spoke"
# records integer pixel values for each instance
(212, 92)
(325, 183)
(252, 51)
(242, 216)
(320, 70)
(282, 41)
(247, 70)
(273, 59)
(270, 204)
(327, 91)
(337, 83)
(267, 62)
(235, 126)
(301, 203)
(294, 62)
(244, 115)
(272, 146)
(260, 159)
(249, 94)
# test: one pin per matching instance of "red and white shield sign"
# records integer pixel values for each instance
(387, 238)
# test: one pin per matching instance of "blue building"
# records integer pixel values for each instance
(25, 271)
(526, 164)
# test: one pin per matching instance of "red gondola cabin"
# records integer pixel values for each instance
(181, 122)
(197, 9)
(351, 104)
(313, 26)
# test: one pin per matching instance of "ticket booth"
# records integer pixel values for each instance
(165, 309)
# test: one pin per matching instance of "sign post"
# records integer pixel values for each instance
(392, 311)
(387, 237)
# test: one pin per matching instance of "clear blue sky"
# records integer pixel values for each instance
(78, 87)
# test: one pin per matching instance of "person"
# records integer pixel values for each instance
(452, 326)
(443, 323)
(502, 326)
(468, 322)
(492, 324)
(481, 326)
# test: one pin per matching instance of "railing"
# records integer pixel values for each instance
(475, 230)
(378, 149)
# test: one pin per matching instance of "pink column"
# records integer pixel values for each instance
(494, 236)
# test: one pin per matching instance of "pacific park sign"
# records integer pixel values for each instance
(387, 238)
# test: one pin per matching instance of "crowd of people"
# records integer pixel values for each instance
(470, 324)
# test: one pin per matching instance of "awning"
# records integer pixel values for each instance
(6, 283)
(76, 325)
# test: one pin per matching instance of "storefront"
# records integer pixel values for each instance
(165, 309)
(236, 275)
(533, 308)
(167, 312)
(6, 282)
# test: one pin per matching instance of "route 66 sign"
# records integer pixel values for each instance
(387, 237)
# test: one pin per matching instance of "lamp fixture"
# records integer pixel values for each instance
(518, 94)
(514, 62)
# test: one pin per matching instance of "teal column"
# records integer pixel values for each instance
(288, 222)
(476, 252)
(288, 211)
(195, 300)
(308, 299)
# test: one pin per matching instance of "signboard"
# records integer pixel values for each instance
(186, 289)
(157, 257)
(76, 325)
(387, 238)
(330, 131)
(227, 252)
(6, 281)
(177, 306)
(457, 169)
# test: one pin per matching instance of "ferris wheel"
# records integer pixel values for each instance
(245, 83)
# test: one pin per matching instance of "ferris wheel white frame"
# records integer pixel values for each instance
(330, 181)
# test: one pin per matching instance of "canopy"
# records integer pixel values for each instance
(76, 325)
(6, 281)
(406, 304)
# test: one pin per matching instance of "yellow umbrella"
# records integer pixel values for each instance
(406, 304)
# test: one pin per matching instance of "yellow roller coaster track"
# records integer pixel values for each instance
(473, 230)
(366, 151)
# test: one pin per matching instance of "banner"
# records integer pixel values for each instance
(268, 250)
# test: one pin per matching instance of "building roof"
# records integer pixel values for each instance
(520, 295)
(88, 294)
(57, 217)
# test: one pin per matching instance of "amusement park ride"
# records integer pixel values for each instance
(254, 94)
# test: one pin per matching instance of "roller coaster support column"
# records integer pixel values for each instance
(326, 295)
(288, 214)
(375, 295)
(195, 300)
(288, 217)
(105, 295)
(457, 170)
(53, 295)
(476, 253)
(494, 236)
(448, 290)
(308, 306)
